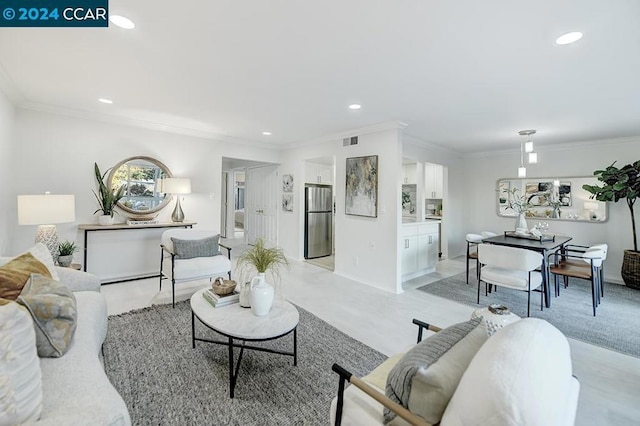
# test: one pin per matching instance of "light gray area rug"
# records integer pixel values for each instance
(616, 326)
(149, 359)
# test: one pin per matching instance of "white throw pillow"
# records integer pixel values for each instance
(520, 376)
(20, 378)
(42, 253)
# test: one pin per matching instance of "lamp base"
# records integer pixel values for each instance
(178, 214)
(48, 235)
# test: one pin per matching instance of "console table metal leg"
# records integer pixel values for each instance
(84, 266)
(295, 346)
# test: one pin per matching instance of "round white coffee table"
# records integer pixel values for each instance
(237, 323)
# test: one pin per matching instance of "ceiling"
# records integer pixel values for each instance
(466, 75)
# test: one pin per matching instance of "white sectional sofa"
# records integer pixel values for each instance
(522, 375)
(75, 388)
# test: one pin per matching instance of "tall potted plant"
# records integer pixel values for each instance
(262, 260)
(618, 184)
(107, 198)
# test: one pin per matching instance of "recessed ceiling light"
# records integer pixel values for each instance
(122, 22)
(569, 38)
(355, 106)
(105, 101)
(266, 133)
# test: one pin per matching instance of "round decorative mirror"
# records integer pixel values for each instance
(140, 177)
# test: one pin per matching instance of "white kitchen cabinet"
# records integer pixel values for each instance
(433, 180)
(419, 249)
(409, 173)
(318, 173)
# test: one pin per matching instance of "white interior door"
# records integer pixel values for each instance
(261, 204)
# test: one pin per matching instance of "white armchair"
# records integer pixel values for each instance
(179, 269)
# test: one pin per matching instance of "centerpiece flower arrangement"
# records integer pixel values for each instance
(519, 204)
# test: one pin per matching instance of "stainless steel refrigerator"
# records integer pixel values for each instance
(318, 232)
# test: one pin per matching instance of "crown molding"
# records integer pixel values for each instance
(9, 88)
(558, 147)
(143, 124)
(420, 143)
(380, 127)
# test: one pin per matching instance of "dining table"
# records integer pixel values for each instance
(548, 244)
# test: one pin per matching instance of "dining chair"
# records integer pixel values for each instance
(472, 253)
(583, 264)
(511, 268)
(581, 249)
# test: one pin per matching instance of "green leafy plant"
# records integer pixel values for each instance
(618, 184)
(406, 198)
(67, 248)
(262, 259)
(107, 198)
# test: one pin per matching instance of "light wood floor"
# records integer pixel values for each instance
(610, 381)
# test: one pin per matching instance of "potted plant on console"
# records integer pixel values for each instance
(618, 184)
(107, 197)
(261, 260)
(66, 250)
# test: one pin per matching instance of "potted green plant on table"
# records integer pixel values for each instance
(66, 250)
(107, 197)
(261, 259)
(618, 184)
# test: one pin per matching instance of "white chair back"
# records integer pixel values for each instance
(488, 234)
(185, 234)
(595, 255)
(474, 238)
(509, 257)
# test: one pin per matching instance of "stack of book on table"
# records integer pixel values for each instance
(218, 301)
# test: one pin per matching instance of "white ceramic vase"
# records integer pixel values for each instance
(261, 297)
(105, 219)
(521, 222)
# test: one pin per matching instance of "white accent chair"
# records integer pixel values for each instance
(182, 270)
(510, 267)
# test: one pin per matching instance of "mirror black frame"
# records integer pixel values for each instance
(152, 212)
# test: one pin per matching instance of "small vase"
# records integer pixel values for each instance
(65, 260)
(261, 296)
(105, 219)
(521, 222)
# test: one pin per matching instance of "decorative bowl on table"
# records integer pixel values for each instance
(222, 287)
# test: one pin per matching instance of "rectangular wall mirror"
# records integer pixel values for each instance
(554, 198)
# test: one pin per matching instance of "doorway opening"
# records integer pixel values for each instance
(319, 212)
(249, 200)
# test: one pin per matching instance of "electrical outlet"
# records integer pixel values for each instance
(372, 244)
(355, 260)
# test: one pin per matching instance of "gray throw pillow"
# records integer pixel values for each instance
(426, 377)
(53, 308)
(188, 249)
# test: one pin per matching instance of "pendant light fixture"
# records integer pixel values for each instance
(526, 146)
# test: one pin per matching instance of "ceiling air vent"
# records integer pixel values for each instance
(350, 141)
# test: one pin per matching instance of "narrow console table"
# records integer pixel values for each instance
(86, 228)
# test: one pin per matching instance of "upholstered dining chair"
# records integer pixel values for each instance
(584, 264)
(510, 267)
(190, 255)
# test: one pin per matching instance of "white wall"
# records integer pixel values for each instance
(56, 153)
(580, 159)
(372, 241)
(7, 113)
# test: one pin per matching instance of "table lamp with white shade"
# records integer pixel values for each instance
(592, 207)
(45, 211)
(176, 186)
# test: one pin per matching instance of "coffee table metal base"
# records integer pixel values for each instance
(233, 374)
